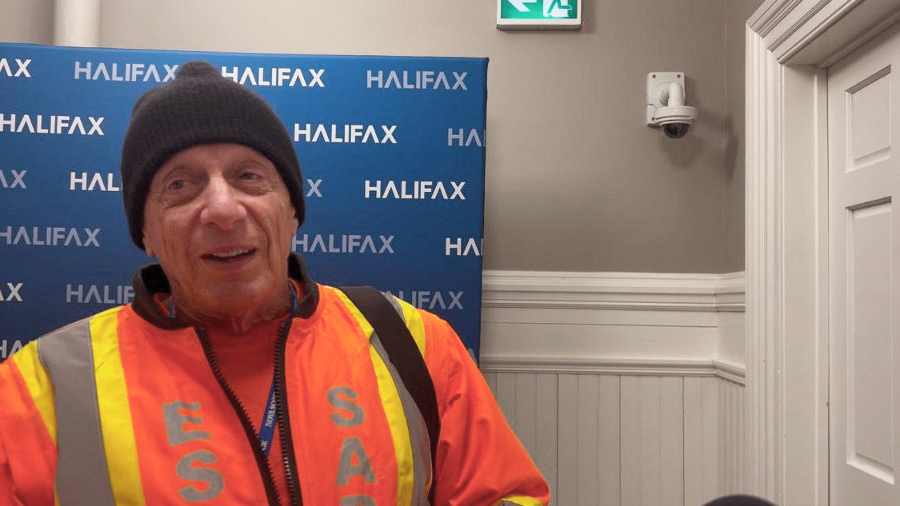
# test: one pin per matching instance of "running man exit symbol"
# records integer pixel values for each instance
(518, 14)
(558, 9)
(552, 8)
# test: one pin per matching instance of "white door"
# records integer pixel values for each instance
(864, 274)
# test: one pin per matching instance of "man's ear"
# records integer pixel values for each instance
(147, 247)
(292, 232)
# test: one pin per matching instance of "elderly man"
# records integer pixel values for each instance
(233, 378)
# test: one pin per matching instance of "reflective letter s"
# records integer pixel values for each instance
(211, 477)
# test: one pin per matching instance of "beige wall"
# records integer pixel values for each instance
(575, 180)
(26, 21)
(736, 14)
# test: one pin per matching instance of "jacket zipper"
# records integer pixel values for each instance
(283, 416)
(261, 462)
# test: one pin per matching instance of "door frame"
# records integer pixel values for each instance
(789, 46)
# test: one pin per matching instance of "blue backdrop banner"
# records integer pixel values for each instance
(391, 148)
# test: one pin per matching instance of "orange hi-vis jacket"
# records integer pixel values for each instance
(125, 407)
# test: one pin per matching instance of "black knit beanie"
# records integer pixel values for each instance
(199, 107)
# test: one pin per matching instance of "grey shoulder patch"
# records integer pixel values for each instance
(82, 476)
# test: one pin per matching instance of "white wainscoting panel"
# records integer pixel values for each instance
(731, 432)
(611, 427)
(701, 440)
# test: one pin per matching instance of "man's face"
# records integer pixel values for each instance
(220, 221)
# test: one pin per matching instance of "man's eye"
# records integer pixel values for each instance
(249, 176)
(177, 184)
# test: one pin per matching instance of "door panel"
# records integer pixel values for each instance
(864, 178)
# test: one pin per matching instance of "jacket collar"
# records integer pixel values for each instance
(151, 280)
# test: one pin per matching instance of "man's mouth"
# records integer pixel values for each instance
(230, 255)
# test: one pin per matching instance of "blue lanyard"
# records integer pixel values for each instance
(267, 427)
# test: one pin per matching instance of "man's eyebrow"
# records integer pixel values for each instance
(252, 160)
(167, 172)
(179, 166)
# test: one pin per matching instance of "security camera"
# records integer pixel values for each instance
(665, 104)
(675, 120)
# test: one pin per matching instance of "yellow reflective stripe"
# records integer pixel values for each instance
(410, 315)
(518, 500)
(393, 410)
(357, 315)
(115, 410)
(396, 418)
(39, 386)
(414, 324)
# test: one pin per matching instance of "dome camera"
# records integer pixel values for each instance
(665, 104)
(676, 130)
(675, 120)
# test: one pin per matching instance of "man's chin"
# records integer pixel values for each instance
(227, 299)
(237, 299)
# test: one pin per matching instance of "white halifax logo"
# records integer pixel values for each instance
(49, 236)
(99, 294)
(10, 179)
(432, 300)
(464, 138)
(351, 134)
(416, 80)
(53, 124)
(124, 72)
(21, 70)
(414, 190)
(460, 246)
(314, 190)
(11, 293)
(275, 76)
(105, 182)
(343, 243)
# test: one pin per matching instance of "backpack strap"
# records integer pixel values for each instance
(404, 354)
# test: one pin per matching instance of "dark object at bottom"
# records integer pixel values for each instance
(739, 500)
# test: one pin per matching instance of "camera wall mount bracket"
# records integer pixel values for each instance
(658, 90)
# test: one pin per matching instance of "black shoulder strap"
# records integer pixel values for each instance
(404, 354)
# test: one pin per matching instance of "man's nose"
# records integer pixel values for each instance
(221, 204)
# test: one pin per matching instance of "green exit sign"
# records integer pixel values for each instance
(526, 14)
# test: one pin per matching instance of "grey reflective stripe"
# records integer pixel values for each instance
(82, 476)
(396, 303)
(418, 432)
